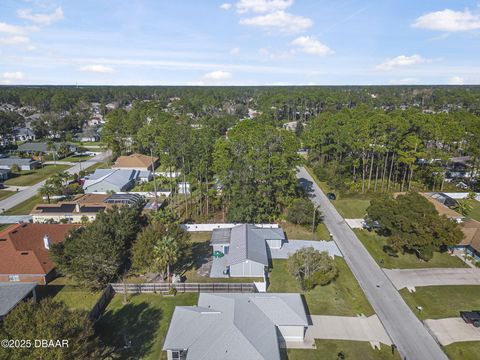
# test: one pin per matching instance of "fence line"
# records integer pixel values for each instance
(102, 303)
(211, 227)
(184, 287)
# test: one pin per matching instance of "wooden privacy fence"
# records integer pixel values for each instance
(185, 287)
(102, 303)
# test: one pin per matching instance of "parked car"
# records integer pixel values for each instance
(331, 196)
(2, 186)
(370, 225)
(218, 254)
(471, 317)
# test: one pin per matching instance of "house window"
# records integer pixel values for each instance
(179, 354)
(13, 277)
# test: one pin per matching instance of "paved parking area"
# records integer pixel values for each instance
(355, 223)
(359, 328)
(433, 277)
(290, 247)
(452, 330)
(218, 265)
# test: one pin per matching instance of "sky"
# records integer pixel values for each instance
(242, 42)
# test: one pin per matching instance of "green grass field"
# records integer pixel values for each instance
(27, 178)
(351, 208)
(25, 207)
(374, 244)
(5, 193)
(144, 321)
(354, 350)
(475, 212)
(300, 232)
(442, 301)
(463, 350)
(341, 297)
(74, 158)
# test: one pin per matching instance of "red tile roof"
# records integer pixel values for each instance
(22, 248)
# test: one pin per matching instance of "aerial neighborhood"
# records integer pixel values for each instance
(240, 180)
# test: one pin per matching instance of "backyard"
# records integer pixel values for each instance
(442, 301)
(475, 212)
(375, 244)
(31, 177)
(143, 321)
(341, 297)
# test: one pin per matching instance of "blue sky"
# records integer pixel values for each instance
(243, 42)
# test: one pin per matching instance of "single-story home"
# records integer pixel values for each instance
(110, 180)
(236, 326)
(12, 294)
(24, 251)
(88, 135)
(246, 248)
(82, 206)
(23, 163)
(43, 147)
(470, 245)
(23, 134)
(138, 162)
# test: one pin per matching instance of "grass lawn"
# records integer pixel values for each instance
(200, 236)
(25, 207)
(351, 208)
(31, 177)
(463, 350)
(329, 350)
(443, 301)
(374, 244)
(341, 297)
(64, 290)
(475, 212)
(74, 158)
(300, 232)
(5, 193)
(144, 321)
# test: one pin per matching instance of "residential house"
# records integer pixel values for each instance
(88, 135)
(246, 248)
(138, 162)
(24, 134)
(83, 206)
(470, 245)
(236, 326)
(437, 200)
(12, 294)
(4, 174)
(110, 180)
(23, 163)
(44, 148)
(24, 251)
(184, 187)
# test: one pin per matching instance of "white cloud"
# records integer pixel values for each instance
(235, 51)
(262, 6)
(96, 68)
(14, 29)
(456, 80)
(225, 6)
(16, 75)
(218, 75)
(41, 18)
(14, 40)
(405, 81)
(449, 20)
(280, 20)
(267, 54)
(400, 61)
(310, 45)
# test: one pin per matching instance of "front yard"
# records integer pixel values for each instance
(5, 193)
(25, 207)
(300, 232)
(143, 321)
(442, 301)
(341, 297)
(31, 177)
(375, 243)
(463, 350)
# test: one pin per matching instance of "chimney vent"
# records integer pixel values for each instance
(46, 242)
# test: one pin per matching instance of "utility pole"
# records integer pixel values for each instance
(314, 218)
(154, 179)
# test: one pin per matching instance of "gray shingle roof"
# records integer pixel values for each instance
(248, 242)
(117, 177)
(12, 294)
(234, 326)
(16, 160)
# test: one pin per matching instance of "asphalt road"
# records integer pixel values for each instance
(31, 191)
(407, 332)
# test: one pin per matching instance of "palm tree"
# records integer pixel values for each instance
(463, 207)
(47, 190)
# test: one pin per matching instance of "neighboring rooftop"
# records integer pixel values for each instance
(234, 326)
(22, 247)
(441, 208)
(12, 294)
(8, 161)
(471, 232)
(116, 177)
(135, 161)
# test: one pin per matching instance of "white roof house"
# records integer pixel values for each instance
(105, 180)
(236, 326)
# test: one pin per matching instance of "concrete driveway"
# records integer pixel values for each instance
(292, 246)
(433, 277)
(348, 328)
(452, 330)
(355, 223)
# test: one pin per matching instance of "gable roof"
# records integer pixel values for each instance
(12, 294)
(247, 242)
(234, 326)
(134, 160)
(116, 177)
(9, 161)
(22, 249)
(471, 234)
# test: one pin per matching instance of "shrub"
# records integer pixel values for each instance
(300, 212)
